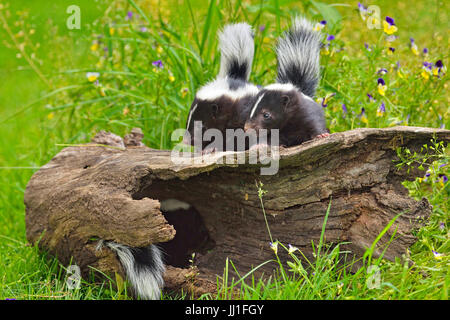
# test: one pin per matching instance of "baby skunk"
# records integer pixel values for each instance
(288, 105)
(220, 103)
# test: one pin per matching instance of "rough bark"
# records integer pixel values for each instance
(91, 192)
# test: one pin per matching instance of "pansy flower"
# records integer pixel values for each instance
(344, 108)
(324, 101)
(437, 255)
(363, 11)
(92, 76)
(129, 15)
(390, 51)
(330, 37)
(438, 68)
(389, 26)
(371, 98)
(413, 46)
(274, 246)
(320, 25)
(363, 116)
(366, 45)
(157, 65)
(426, 70)
(382, 71)
(425, 52)
(382, 87)
(291, 249)
(381, 110)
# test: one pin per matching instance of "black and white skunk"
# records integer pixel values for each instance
(220, 103)
(288, 105)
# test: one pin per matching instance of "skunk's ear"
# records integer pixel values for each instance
(285, 99)
(214, 110)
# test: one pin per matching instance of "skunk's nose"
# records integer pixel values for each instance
(247, 126)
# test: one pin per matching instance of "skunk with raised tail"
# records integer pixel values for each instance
(287, 105)
(220, 104)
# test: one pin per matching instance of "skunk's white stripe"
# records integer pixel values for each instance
(220, 87)
(190, 116)
(147, 282)
(307, 97)
(256, 105)
(173, 204)
(281, 87)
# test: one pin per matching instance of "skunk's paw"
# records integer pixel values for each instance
(323, 135)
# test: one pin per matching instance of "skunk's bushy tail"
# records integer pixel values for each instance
(298, 55)
(144, 268)
(236, 51)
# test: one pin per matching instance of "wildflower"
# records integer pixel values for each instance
(437, 255)
(326, 49)
(158, 64)
(441, 226)
(320, 25)
(262, 28)
(425, 52)
(391, 38)
(382, 71)
(330, 37)
(427, 175)
(371, 98)
(274, 247)
(344, 109)
(159, 49)
(266, 40)
(171, 77)
(382, 87)
(324, 101)
(363, 11)
(184, 92)
(444, 179)
(391, 51)
(413, 46)
(92, 76)
(129, 15)
(111, 31)
(51, 115)
(363, 116)
(389, 25)
(438, 68)
(442, 165)
(366, 45)
(381, 110)
(94, 46)
(426, 70)
(291, 249)
(143, 29)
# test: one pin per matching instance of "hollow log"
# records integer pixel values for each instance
(113, 190)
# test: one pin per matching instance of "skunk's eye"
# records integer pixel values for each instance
(266, 115)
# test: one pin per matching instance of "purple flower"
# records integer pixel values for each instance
(441, 226)
(442, 165)
(382, 108)
(344, 108)
(371, 98)
(367, 47)
(444, 179)
(411, 40)
(439, 64)
(381, 81)
(390, 21)
(323, 22)
(392, 49)
(143, 29)
(425, 50)
(129, 15)
(428, 65)
(391, 38)
(382, 71)
(158, 63)
(330, 37)
(262, 27)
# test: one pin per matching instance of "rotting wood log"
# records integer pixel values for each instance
(91, 192)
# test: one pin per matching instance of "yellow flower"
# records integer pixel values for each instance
(266, 40)
(92, 76)
(94, 46)
(159, 49)
(389, 28)
(425, 74)
(171, 78)
(50, 116)
(111, 31)
(414, 49)
(364, 119)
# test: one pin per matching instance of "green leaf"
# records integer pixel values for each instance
(329, 13)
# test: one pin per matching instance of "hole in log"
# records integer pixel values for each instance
(191, 234)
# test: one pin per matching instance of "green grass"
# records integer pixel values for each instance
(46, 100)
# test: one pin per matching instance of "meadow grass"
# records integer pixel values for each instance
(60, 86)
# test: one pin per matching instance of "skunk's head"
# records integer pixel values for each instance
(213, 107)
(273, 107)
